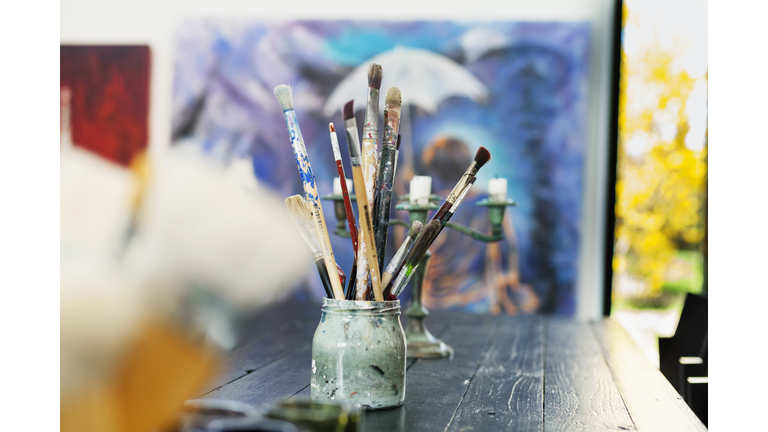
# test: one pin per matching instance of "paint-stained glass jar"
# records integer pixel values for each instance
(358, 354)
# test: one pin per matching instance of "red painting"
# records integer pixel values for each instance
(105, 99)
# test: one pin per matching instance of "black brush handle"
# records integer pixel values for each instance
(323, 271)
(383, 200)
(352, 282)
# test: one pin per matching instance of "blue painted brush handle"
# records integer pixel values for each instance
(302, 159)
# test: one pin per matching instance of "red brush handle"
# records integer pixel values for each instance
(348, 207)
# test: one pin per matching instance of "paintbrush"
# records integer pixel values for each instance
(386, 277)
(344, 191)
(420, 246)
(301, 214)
(439, 219)
(366, 256)
(347, 204)
(405, 276)
(370, 141)
(481, 158)
(285, 97)
(386, 172)
(370, 147)
(369, 150)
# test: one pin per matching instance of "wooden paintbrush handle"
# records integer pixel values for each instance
(367, 232)
(347, 206)
(325, 243)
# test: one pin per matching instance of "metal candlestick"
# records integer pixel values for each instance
(421, 343)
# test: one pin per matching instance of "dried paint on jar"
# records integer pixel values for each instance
(358, 354)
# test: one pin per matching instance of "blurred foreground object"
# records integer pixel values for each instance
(155, 264)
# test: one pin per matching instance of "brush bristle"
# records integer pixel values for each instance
(298, 207)
(482, 156)
(415, 229)
(374, 76)
(397, 146)
(394, 98)
(331, 128)
(349, 111)
(284, 96)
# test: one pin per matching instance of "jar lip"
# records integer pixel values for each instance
(363, 306)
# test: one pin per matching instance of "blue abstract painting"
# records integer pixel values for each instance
(517, 88)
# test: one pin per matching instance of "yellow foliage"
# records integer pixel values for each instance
(659, 193)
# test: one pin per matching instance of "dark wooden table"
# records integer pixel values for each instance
(529, 373)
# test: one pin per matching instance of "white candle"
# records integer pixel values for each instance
(337, 186)
(497, 189)
(421, 188)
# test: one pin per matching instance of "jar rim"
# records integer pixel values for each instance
(361, 306)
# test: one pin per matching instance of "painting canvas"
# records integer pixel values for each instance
(105, 99)
(517, 88)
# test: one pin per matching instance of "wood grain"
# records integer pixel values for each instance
(435, 388)
(506, 393)
(533, 373)
(579, 391)
(651, 400)
(269, 342)
(278, 380)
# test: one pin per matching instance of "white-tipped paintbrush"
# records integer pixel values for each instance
(366, 252)
(285, 97)
(301, 215)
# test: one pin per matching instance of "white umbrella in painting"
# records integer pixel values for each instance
(425, 79)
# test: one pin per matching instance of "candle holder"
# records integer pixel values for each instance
(421, 343)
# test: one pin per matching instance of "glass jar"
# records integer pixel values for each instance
(358, 354)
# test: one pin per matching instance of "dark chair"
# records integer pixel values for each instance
(683, 357)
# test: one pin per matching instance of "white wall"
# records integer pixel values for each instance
(153, 22)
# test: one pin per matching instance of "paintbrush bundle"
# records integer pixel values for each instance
(373, 174)
(403, 273)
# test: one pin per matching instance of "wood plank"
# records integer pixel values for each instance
(252, 324)
(506, 393)
(579, 391)
(279, 380)
(435, 387)
(651, 400)
(272, 344)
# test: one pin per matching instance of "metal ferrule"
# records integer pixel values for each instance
(350, 126)
(391, 126)
(318, 255)
(372, 115)
(335, 145)
(399, 256)
(462, 183)
(402, 280)
(461, 197)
